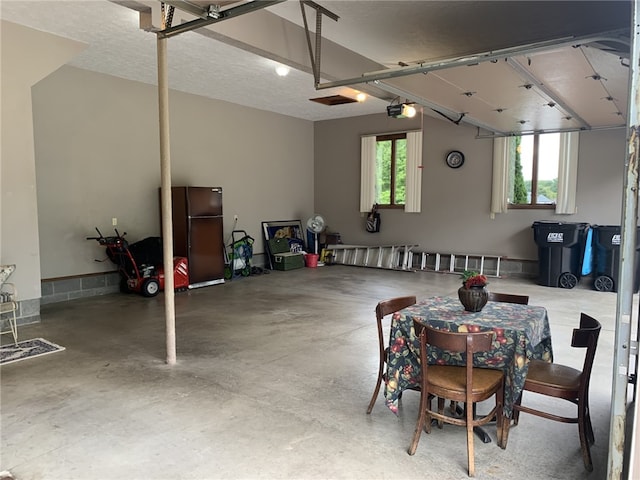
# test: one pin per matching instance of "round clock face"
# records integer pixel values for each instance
(455, 159)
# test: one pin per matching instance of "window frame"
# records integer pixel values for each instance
(393, 137)
(534, 182)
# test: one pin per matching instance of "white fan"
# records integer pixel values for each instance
(315, 225)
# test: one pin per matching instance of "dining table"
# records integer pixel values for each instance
(522, 333)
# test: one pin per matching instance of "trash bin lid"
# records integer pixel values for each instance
(550, 234)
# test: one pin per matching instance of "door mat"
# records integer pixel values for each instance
(27, 349)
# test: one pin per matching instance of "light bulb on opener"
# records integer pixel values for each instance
(282, 71)
(410, 111)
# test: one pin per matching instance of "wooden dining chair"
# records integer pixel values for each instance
(466, 384)
(563, 382)
(509, 298)
(384, 308)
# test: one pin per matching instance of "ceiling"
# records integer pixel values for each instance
(503, 66)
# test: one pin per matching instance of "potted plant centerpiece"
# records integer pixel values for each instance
(473, 293)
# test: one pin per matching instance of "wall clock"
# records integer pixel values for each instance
(455, 159)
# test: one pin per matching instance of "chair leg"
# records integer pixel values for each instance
(420, 423)
(470, 453)
(584, 442)
(506, 421)
(428, 420)
(587, 413)
(375, 392)
(500, 419)
(590, 435)
(15, 329)
(516, 412)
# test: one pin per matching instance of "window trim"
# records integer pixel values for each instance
(567, 176)
(393, 137)
(534, 181)
(531, 206)
(413, 189)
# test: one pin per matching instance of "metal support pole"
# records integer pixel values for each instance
(166, 32)
(627, 262)
(165, 190)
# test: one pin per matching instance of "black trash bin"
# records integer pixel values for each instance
(560, 252)
(606, 251)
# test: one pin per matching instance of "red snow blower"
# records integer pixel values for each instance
(140, 264)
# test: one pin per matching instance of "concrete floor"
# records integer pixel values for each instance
(273, 378)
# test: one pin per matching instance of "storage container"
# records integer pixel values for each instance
(288, 261)
(560, 252)
(606, 247)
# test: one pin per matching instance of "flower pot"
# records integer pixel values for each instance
(473, 299)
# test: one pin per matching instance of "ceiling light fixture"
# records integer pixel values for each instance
(361, 97)
(282, 71)
(401, 110)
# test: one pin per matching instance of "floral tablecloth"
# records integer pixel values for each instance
(522, 333)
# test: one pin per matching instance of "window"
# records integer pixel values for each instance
(533, 170)
(391, 169)
(519, 178)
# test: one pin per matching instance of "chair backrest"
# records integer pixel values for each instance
(392, 305)
(386, 307)
(454, 342)
(509, 298)
(586, 336)
(5, 272)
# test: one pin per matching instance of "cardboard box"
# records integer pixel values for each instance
(288, 261)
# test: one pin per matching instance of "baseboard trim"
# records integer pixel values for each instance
(62, 289)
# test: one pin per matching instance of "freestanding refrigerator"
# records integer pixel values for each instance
(198, 234)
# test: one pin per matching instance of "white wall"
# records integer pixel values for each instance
(97, 158)
(27, 56)
(455, 202)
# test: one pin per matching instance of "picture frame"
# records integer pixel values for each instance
(290, 229)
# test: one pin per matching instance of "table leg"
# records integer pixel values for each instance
(506, 424)
(482, 435)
